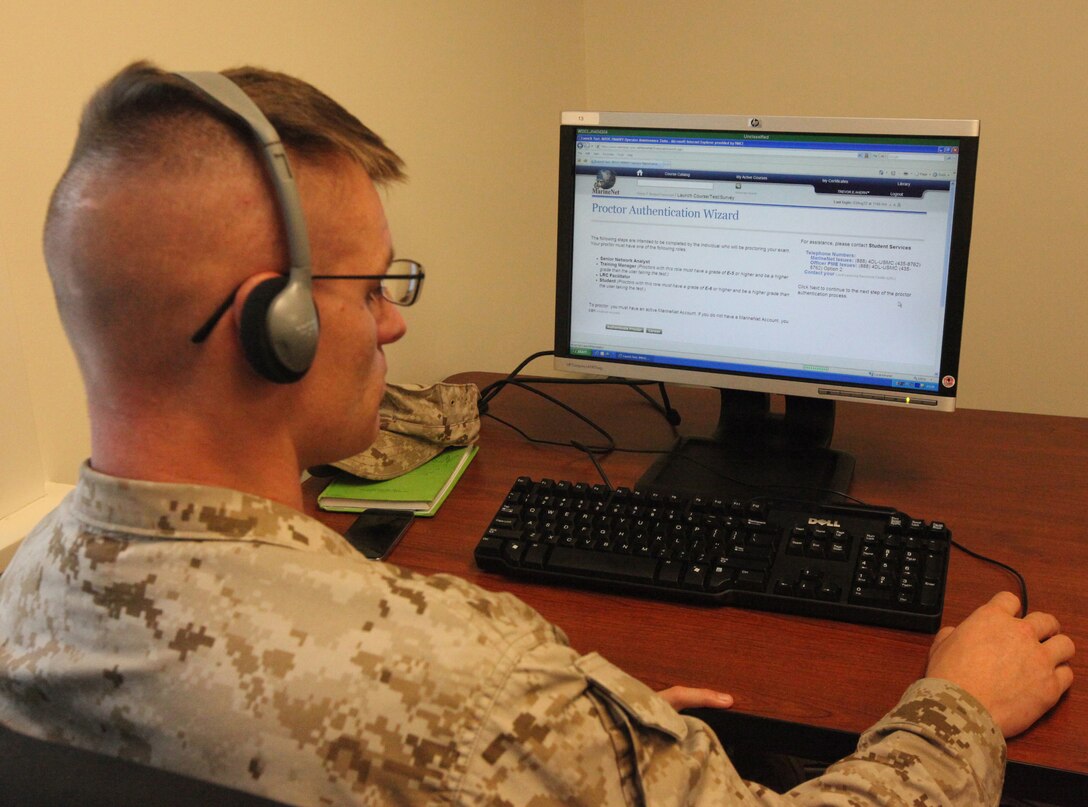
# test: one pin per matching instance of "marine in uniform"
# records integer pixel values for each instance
(179, 610)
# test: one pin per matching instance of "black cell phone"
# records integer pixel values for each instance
(376, 532)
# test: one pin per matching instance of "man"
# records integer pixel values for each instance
(179, 610)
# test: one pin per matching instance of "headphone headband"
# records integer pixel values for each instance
(286, 324)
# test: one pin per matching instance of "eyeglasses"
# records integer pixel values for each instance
(399, 285)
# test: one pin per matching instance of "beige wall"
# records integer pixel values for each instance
(456, 86)
(1020, 68)
(22, 477)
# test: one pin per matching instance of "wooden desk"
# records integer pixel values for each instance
(1010, 486)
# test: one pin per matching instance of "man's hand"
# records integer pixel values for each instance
(1016, 668)
(691, 697)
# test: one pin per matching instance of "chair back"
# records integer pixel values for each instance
(37, 772)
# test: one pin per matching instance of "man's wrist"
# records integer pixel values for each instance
(950, 719)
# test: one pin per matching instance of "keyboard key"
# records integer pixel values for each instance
(534, 556)
(670, 571)
(931, 594)
(870, 596)
(752, 552)
(751, 579)
(611, 566)
(720, 578)
(489, 547)
(752, 564)
(933, 567)
(695, 577)
(829, 592)
(513, 551)
(502, 533)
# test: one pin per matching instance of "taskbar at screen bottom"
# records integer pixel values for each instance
(816, 374)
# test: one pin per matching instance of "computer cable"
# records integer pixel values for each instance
(1019, 577)
(592, 453)
(488, 392)
(664, 407)
(611, 444)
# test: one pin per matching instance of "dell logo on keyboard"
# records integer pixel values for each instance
(824, 522)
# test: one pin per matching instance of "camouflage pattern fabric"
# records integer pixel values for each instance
(233, 639)
(418, 424)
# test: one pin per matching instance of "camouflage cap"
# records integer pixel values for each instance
(418, 423)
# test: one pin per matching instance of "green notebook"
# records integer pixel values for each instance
(422, 490)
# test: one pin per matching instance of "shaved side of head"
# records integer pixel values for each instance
(165, 207)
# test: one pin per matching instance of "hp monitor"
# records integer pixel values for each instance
(823, 259)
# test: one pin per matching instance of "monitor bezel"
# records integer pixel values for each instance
(967, 131)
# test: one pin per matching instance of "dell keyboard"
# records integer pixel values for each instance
(854, 563)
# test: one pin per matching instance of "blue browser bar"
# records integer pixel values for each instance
(831, 145)
(774, 372)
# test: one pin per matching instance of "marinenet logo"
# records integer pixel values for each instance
(584, 366)
(606, 183)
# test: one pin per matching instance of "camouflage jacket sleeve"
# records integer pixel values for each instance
(937, 746)
(597, 736)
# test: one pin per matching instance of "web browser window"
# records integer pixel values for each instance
(821, 257)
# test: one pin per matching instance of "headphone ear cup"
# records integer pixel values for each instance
(256, 338)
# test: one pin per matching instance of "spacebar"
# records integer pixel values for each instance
(604, 564)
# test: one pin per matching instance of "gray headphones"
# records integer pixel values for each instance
(279, 319)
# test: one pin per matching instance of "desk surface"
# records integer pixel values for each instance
(1010, 486)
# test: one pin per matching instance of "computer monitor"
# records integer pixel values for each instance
(824, 259)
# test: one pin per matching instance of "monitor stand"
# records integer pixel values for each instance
(754, 451)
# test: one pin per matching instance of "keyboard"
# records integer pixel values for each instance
(854, 563)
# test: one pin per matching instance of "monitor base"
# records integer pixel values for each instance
(754, 451)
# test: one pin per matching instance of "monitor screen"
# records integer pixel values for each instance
(816, 257)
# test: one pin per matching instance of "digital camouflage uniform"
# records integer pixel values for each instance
(234, 639)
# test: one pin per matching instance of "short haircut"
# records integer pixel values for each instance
(144, 114)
